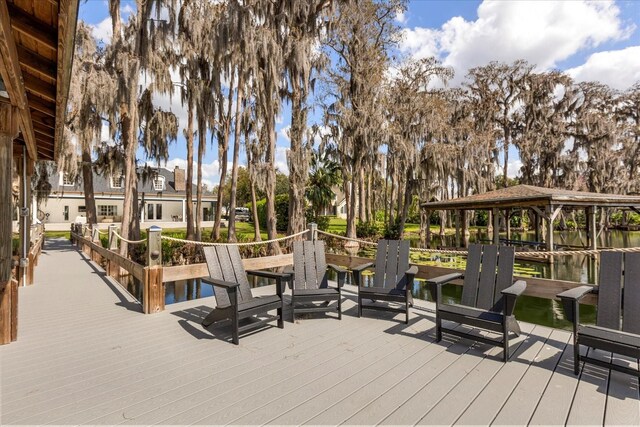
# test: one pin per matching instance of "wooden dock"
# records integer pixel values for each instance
(86, 355)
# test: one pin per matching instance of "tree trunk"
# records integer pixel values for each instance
(202, 144)
(130, 143)
(223, 155)
(87, 183)
(298, 163)
(353, 208)
(254, 202)
(188, 184)
(231, 237)
(270, 187)
(362, 204)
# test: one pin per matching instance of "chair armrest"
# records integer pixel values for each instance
(342, 273)
(221, 283)
(362, 267)
(412, 271)
(571, 304)
(357, 272)
(435, 285)
(516, 289)
(576, 293)
(279, 277)
(441, 280)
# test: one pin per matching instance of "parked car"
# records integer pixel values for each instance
(242, 214)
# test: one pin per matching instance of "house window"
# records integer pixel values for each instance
(82, 209)
(117, 181)
(159, 211)
(158, 183)
(150, 211)
(67, 180)
(65, 213)
(107, 210)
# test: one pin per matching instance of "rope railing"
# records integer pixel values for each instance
(263, 242)
(133, 242)
(458, 252)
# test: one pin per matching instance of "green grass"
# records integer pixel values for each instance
(339, 226)
(56, 234)
(244, 231)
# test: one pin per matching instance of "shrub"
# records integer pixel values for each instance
(282, 212)
(392, 232)
(366, 229)
(322, 220)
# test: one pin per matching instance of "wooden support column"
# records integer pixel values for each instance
(457, 213)
(313, 232)
(496, 226)
(464, 228)
(507, 221)
(153, 287)
(428, 231)
(592, 227)
(8, 295)
(549, 219)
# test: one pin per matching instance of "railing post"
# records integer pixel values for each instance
(153, 289)
(313, 232)
(113, 269)
(113, 241)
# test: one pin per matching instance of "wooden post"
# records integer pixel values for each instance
(593, 228)
(113, 240)
(8, 298)
(507, 224)
(457, 213)
(496, 226)
(153, 289)
(428, 237)
(313, 232)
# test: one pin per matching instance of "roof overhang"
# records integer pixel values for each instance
(36, 53)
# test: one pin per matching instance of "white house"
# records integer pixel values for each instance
(162, 198)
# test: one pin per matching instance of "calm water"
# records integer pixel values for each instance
(582, 269)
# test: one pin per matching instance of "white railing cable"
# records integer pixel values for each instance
(133, 242)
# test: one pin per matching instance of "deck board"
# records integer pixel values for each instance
(87, 355)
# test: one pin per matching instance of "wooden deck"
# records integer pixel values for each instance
(86, 355)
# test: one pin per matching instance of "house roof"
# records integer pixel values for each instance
(36, 54)
(529, 195)
(102, 185)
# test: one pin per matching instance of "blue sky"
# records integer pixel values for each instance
(589, 40)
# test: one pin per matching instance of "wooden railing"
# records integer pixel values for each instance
(154, 275)
(536, 287)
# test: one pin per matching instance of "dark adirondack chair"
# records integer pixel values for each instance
(488, 296)
(234, 298)
(310, 283)
(617, 326)
(392, 280)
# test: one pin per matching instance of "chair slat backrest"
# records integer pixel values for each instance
(489, 271)
(310, 265)
(392, 262)
(619, 291)
(631, 321)
(225, 263)
(610, 290)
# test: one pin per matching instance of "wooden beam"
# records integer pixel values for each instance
(67, 21)
(39, 87)
(12, 77)
(43, 120)
(30, 26)
(43, 130)
(36, 63)
(42, 106)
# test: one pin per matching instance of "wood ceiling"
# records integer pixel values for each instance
(43, 33)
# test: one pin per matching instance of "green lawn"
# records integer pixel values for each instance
(339, 226)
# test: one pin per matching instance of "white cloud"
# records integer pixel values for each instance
(401, 17)
(619, 69)
(281, 160)
(103, 30)
(513, 168)
(543, 33)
